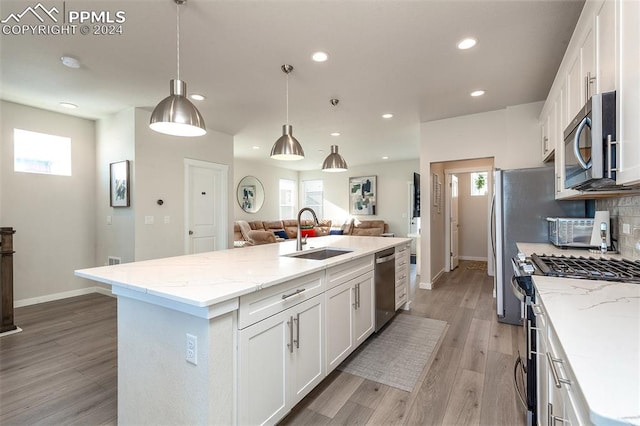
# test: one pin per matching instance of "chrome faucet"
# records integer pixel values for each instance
(298, 237)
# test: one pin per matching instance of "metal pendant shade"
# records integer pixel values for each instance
(287, 147)
(334, 161)
(176, 115)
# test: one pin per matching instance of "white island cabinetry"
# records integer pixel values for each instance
(350, 309)
(236, 336)
(281, 357)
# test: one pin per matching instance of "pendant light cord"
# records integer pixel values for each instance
(178, 37)
(287, 98)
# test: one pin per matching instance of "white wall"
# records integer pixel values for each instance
(54, 216)
(115, 142)
(511, 136)
(269, 176)
(392, 201)
(159, 174)
(473, 220)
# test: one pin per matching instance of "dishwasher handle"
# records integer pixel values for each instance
(385, 259)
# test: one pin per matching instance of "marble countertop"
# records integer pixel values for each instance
(206, 279)
(598, 326)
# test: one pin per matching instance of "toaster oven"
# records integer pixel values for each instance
(570, 231)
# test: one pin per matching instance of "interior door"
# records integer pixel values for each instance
(206, 192)
(454, 222)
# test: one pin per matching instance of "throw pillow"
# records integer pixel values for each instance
(307, 232)
(336, 232)
(281, 234)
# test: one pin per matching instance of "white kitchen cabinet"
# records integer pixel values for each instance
(402, 264)
(606, 47)
(628, 92)
(281, 358)
(559, 399)
(350, 317)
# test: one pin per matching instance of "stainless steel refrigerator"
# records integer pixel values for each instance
(522, 200)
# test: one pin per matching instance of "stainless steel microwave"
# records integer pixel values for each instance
(589, 151)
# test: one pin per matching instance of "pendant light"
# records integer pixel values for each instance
(287, 147)
(334, 161)
(175, 114)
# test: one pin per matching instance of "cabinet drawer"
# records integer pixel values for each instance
(401, 296)
(257, 306)
(343, 273)
(402, 274)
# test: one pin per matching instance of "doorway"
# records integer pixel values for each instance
(206, 206)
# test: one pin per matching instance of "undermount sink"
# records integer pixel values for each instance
(320, 254)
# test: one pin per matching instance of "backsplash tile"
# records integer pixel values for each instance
(624, 210)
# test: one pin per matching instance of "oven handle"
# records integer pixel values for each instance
(576, 143)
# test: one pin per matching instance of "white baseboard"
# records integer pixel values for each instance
(476, 258)
(62, 295)
(431, 285)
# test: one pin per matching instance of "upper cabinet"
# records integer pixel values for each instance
(602, 56)
(628, 91)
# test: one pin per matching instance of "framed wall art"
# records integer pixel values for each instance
(119, 184)
(362, 195)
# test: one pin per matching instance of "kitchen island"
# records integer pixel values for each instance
(183, 321)
(594, 327)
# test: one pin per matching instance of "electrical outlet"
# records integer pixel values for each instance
(148, 220)
(192, 349)
(167, 219)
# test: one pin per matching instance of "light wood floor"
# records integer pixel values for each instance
(62, 369)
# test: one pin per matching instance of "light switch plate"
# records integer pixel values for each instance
(148, 220)
(626, 228)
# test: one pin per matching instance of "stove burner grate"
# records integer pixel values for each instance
(588, 268)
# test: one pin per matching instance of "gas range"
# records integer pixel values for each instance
(590, 268)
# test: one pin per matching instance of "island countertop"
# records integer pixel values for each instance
(598, 326)
(205, 279)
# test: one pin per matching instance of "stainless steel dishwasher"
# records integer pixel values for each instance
(385, 283)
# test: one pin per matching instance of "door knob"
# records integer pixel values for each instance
(190, 232)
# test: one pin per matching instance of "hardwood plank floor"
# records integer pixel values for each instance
(62, 369)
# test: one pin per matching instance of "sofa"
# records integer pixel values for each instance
(264, 232)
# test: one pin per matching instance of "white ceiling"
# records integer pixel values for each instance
(385, 56)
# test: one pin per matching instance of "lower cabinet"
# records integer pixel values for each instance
(559, 400)
(281, 358)
(350, 317)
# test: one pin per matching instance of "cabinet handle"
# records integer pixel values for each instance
(355, 297)
(358, 298)
(298, 291)
(557, 380)
(610, 167)
(588, 80)
(553, 419)
(290, 324)
(297, 320)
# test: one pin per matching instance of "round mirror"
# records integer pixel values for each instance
(250, 194)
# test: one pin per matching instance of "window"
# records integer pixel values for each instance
(313, 196)
(287, 199)
(479, 183)
(41, 153)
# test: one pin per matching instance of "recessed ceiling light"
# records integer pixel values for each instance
(477, 93)
(335, 134)
(387, 115)
(255, 147)
(70, 62)
(197, 97)
(467, 43)
(68, 105)
(320, 56)
(385, 158)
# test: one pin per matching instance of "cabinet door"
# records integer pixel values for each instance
(339, 306)
(588, 66)
(308, 368)
(606, 51)
(574, 88)
(628, 92)
(364, 312)
(542, 381)
(262, 371)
